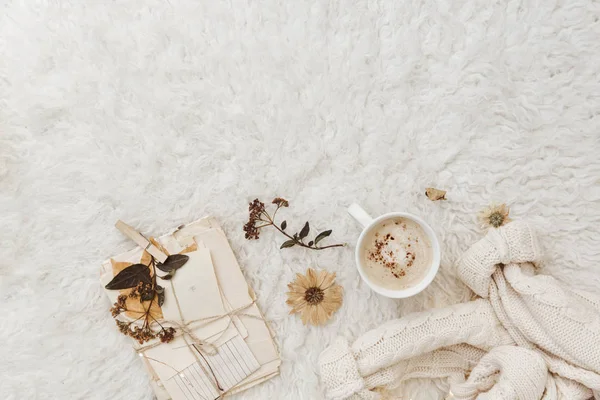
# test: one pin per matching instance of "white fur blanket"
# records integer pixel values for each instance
(160, 112)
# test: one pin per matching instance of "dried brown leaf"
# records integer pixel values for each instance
(434, 194)
(130, 277)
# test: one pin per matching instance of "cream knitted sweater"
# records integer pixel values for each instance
(528, 337)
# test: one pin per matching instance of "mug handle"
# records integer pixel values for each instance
(360, 215)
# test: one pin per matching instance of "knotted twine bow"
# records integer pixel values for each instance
(201, 346)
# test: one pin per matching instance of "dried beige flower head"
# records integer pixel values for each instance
(315, 296)
(494, 216)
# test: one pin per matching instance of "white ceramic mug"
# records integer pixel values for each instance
(369, 223)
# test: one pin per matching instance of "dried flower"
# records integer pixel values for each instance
(494, 216)
(123, 327)
(166, 335)
(115, 310)
(281, 202)
(256, 210)
(142, 297)
(260, 218)
(143, 334)
(119, 306)
(315, 296)
(144, 291)
(121, 300)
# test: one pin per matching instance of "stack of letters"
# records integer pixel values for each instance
(237, 350)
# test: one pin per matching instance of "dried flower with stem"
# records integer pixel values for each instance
(140, 279)
(494, 216)
(260, 218)
(315, 296)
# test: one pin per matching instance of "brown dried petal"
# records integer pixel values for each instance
(434, 194)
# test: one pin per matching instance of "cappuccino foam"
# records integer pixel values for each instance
(397, 254)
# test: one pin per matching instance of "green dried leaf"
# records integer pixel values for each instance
(130, 277)
(161, 298)
(173, 262)
(159, 289)
(311, 243)
(284, 225)
(304, 231)
(288, 243)
(322, 235)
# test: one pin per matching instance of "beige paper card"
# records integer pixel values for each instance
(193, 285)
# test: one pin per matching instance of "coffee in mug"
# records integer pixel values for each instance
(396, 253)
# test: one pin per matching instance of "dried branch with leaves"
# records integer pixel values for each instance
(141, 279)
(259, 218)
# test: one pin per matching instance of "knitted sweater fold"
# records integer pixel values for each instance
(527, 337)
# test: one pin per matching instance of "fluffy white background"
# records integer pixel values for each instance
(160, 112)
